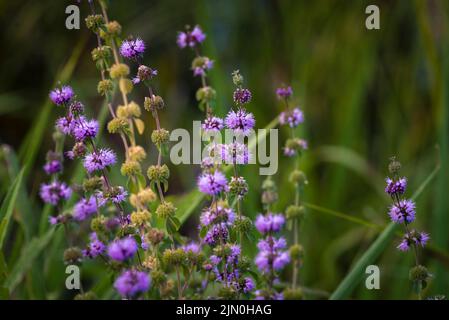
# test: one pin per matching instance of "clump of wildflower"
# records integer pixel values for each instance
(55, 192)
(241, 121)
(95, 247)
(122, 249)
(190, 38)
(61, 96)
(131, 283)
(212, 183)
(132, 49)
(99, 160)
(242, 96)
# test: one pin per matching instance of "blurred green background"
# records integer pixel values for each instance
(367, 95)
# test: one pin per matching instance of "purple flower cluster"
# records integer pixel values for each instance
(190, 38)
(99, 160)
(55, 192)
(122, 249)
(291, 117)
(85, 129)
(61, 96)
(132, 282)
(241, 121)
(132, 49)
(413, 238)
(269, 223)
(396, 187)
(217, 214)
(85, 208)
(52, 167)
(284, 92)
(242, 96)
(212, 183)
(212, 124)
(403, 211)
(271, 254)
(200, 70)
(95, 247)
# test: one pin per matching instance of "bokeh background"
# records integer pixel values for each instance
(367, 95)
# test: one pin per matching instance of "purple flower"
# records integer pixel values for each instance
(212, 183)
(240, 121)
(98, 160)
(84, 208)
(85, 129)
(404, 211)
(95, 247)
(122, 249)
(132, 49)
(396, 187)
(144, 73)
(242, 96)
(192, 247)
(269, 223)
(271, 256)
(248, 285)
(281, 260)
(206, 64)
(53, 166)
(117, 194)
(292, 118)
(55, 192)
(413, 238)
(212, 124)
(217, 214)
(284, 92)
(190, 38)
(66, 124)
(237, 153)
(62, 95)
(216, 234)
(132, 282)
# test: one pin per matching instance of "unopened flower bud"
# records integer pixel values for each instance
(160, 136)
(72, 255)
(130, 168)
(105, 87)
(238, 186)
(153, 103)
(94, 22)
(395, 166)
(158, 173)
(419, 273)
(298, 177)
(155, 236)
(118, 125)
(136, 153)
(114, 28)
(92, 184)
(293, 294)
(205, 94)
(295, 212)
(141, 217)
(165, 210)
(296, 251)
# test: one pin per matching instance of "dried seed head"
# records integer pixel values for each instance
(395, 166)
(165, 210)
(92, 184)
(136, 153)
(130, 168)
(160, 136)
(155, 236)
(98, 224)
(205, 94)
(298, 177)
(419, 273)
(153, 103)
(114, 28)
(101, 53)
(94, 22)
(158, 173)
(295, 212)
(296, 251)
(293, 294)
(105, 87)
(141, 217)
(158, 277)
(126, 85)
(118, 70)
(118, 125)
(72, 255)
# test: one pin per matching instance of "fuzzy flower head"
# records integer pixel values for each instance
(293, 118)
(242, 96)
(85, 129)
(98, 160)
(284, 92)
(122, 249)
(144, 73)
(217, 214)
(269, 223)
(240, 121)
(216, 234)
(212, 183)
(95, 247)
(212, 124)
(396, 186)
(55, 192)
(402, 212)
(201, 65)
(132, 282)
(61, 96)
(413, 238)
(85, 208)
(66, 124)
(132, 49)
(190, 38)
(52, 167)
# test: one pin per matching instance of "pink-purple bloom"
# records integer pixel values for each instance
(122, 249)
(212, 183)
(212, 124)
(271, 256)
(132, 282)
(85, 129)
(99, 160)
(190, 38)
(52, 167)
(293, 118)
(95, 247)
(404, 211)
(55, 192)
(269, 223)
(132, 49)
(284, 92)
(200, 70)
(85, 208)
(242, 96)
(63, 95)
(217, 214)
(396, 186)
(241, 121)
(66, 124)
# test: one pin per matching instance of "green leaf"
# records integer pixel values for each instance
(29, 254)
(8, 206)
